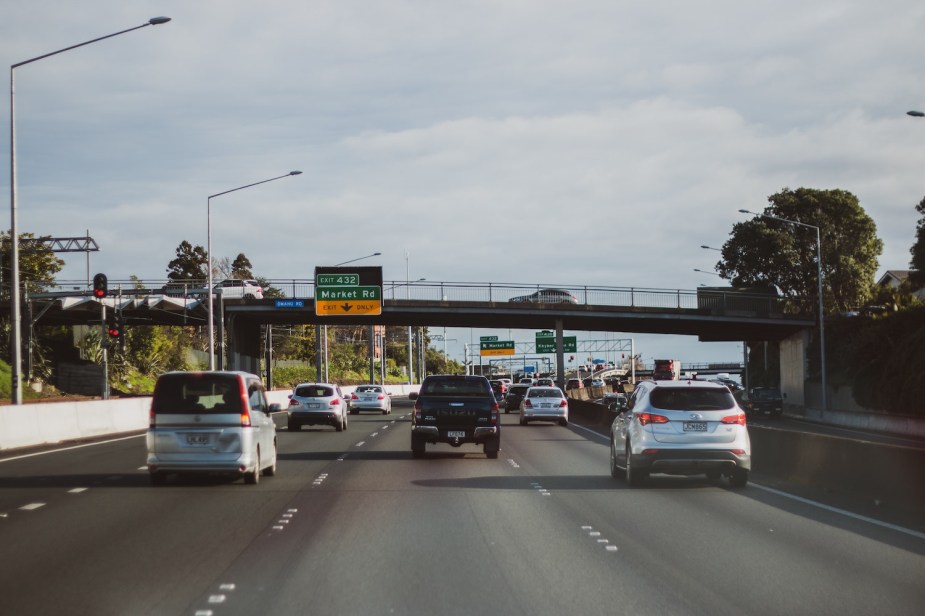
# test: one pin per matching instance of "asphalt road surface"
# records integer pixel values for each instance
(353, 525)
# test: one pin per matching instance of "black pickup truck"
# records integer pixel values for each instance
(455, 410)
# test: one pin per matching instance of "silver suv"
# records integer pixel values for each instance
(215, 422)
(317, 403)
(680, 428)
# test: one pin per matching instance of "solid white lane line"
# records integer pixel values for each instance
(77, 490)
(42, 453)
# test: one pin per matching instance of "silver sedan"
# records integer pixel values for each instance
(370, 398)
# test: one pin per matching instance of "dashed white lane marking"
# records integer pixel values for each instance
(77, 490)
(32, 506)
(227, 587)
(374, 435)
(204, 613)
(360, 444)
(513, 464)
(217, 599)
(600, 541)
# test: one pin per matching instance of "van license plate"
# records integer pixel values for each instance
(695, 426)
(456, 434)
(197, 439)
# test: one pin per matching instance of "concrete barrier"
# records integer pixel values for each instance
(47, 423)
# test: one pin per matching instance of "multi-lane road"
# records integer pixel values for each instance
(353, 525)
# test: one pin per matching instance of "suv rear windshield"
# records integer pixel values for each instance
(692, 399)
(314, 391)
(455, 387)
(197, 393)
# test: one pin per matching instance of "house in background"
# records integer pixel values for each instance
(895, 278)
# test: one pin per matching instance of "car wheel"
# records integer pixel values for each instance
(738, 478)
(418, 447)
(385, 412)
(615, 471)
(634, 476)
(254, 477)
(293, 426)
(270, 471)
(563, 422)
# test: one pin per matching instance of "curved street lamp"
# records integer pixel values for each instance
(706, 272)
(15, 311)
(916, 114)
(822, 365)
(209, 256)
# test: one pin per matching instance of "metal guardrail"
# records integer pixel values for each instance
(712, 300)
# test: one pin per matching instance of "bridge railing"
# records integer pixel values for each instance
(712, 301)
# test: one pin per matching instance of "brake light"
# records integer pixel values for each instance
(152, 417)
(245, 404)
(734, 419)
(246, 419)
(354, 397)
(564, 403)
(647, 418)
(418, 411)
(293, 401)
(527, 403)
(380, 397)
(495, 413)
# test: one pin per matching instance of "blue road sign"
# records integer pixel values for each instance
(290, 303)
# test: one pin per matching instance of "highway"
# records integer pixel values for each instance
(353, 525)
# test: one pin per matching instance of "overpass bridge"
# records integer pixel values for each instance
(710, 314)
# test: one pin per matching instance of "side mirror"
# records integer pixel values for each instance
(413, 395)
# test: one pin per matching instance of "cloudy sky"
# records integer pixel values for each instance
(579, 142)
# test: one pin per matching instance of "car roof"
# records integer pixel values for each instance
(684, 383)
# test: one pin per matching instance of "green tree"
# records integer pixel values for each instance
(767, 253)
(241, 267)
(917, 275)
(37, 263)
(190, 264)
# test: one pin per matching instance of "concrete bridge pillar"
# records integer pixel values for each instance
(243, 345)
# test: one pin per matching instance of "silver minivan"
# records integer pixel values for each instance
(211, 422)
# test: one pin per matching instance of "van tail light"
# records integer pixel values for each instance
(152, 417)
(647, 418)
(245, 406)
(246, 419)
(738, 418)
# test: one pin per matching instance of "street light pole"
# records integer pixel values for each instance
(15, 309)
(209, 257)
(822, 363)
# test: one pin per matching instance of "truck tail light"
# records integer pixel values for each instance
(739, 418)
(647, 418)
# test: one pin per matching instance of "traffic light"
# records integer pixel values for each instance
(117, 326)
(100, 286)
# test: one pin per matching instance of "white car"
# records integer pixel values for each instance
(547, 296)
(544, 404)
(235, 288)
(680, 428)
(311, 404)
(370, 398)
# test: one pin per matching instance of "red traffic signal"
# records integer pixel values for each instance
(100, 286)
(117, 326)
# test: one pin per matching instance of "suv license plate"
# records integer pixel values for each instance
(456, 434)
(695, 426)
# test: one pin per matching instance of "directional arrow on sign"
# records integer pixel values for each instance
(346, 307)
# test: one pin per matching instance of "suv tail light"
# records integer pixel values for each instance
(734, 419)
(647, 418)
(335, 402)
(293, 401)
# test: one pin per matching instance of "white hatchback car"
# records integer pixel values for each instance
(680, 428)
(370, 398)
(317, 403)
(211, 422)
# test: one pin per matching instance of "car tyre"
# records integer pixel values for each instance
(418, 447)
(615, 471)
(293, 426)
(270, 471)
(254, 477)
(738, 478)
(563, 422)
(634, 476)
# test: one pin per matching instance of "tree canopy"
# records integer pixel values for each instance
(190, 264)
(763, 252)
(917, 275)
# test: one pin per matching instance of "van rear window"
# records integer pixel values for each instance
(197, 393)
